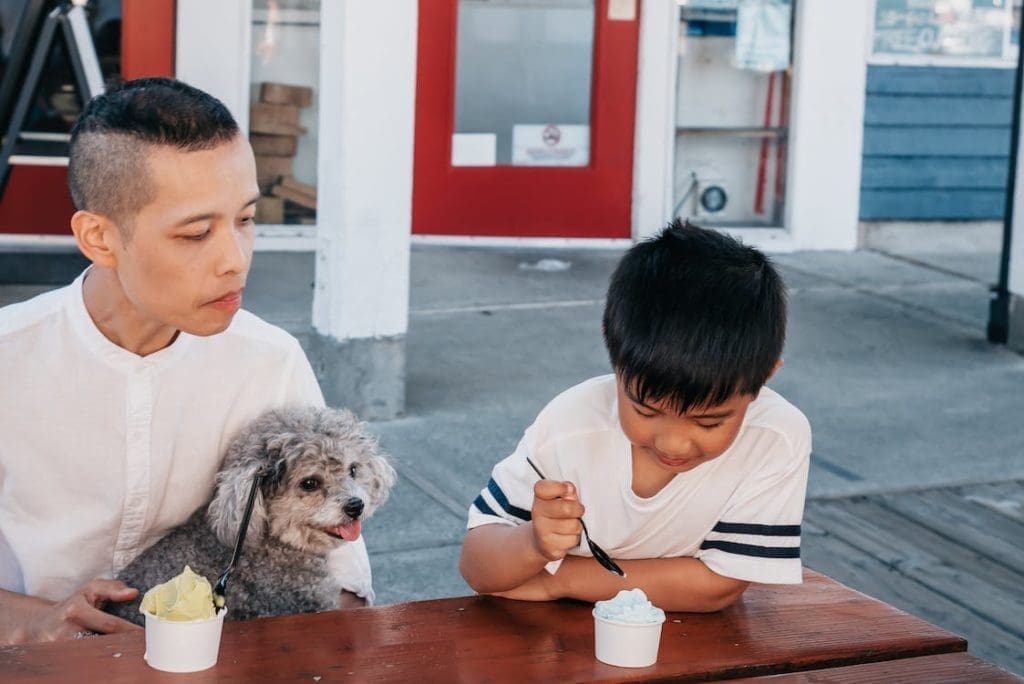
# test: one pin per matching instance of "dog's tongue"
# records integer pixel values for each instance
(349, 531)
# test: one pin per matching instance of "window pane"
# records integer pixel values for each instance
(732, 112)
(283, 116)
(522, 85)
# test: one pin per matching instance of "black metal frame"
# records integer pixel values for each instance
(35, 35)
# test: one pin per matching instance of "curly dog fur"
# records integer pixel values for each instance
(324, 471)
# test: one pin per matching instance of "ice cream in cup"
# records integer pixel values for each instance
(627, 630)
(182, 626)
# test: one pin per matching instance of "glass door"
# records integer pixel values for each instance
(524, 117)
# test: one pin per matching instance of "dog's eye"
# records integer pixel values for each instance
(310, 484)
(353, 469)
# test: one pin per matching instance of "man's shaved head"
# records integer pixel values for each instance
(107, 172)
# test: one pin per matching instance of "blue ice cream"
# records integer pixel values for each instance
(630, 606)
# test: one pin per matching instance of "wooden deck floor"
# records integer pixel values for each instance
(953, 556)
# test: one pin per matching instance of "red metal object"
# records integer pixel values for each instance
(762, 159)
(592, 201)
(36, 199)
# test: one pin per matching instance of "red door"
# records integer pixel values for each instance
(495, 152)
(36, 199)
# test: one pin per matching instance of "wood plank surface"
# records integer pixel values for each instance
(947, 668)
(772, 630)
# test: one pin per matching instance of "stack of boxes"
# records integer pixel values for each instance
(274, 131)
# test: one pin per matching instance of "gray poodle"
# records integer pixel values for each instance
(323, 475)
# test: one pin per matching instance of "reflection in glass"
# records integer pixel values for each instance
(283, 127)
(523, 81)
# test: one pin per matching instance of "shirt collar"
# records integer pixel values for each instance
(115, 356)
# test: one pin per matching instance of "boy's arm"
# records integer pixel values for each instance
(501, 557)
(675, 584)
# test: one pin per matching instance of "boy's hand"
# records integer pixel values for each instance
(556, 518)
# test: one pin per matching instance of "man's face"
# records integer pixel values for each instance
(677, 443)
(188, 251)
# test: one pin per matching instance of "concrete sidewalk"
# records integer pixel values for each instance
(886, 355)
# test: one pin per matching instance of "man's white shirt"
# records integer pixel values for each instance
(104, 451)
(740, 513)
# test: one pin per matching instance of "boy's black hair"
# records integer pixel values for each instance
(107, 170)
(693, 317)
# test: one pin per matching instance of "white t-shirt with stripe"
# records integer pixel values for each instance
(740, 513)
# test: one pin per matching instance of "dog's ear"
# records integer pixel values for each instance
(382, 478)
(248, 455)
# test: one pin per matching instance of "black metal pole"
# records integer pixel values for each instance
(999, 307)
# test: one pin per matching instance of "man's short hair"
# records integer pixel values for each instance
(107, 170)
(694, 317)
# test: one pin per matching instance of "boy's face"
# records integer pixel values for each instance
(677, 443)
(186, 256)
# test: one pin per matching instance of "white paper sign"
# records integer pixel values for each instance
(762, 35)
(474, 149)
(550, 145)
(621, 10)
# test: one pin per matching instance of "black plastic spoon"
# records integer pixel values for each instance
(222, 583)
(599, 554)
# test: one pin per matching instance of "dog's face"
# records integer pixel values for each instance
(324, 475)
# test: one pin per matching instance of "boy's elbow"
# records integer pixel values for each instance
(726, 599)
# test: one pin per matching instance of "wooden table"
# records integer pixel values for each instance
(947, 668)
(820, 624)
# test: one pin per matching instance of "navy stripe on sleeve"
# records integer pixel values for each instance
(751, 549)
(502, 500)
(764, 530)
(482, 506)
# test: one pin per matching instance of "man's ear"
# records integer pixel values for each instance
(97, 236)
(775, 368)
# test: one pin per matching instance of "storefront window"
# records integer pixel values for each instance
(946, 32)
(283, 113)
(522, 83)
(57, 104)
(732, 112)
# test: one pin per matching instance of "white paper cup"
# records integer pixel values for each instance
(183, 646)
(627, 644)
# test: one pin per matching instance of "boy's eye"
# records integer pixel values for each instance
(709, 426)
(196, 237)
(645, 414)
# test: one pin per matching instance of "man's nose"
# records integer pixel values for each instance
(353, 507)
(235, 252)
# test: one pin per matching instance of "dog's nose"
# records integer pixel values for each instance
(353, 507)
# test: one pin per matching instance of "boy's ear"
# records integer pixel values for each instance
(775, 368)
(97, 237)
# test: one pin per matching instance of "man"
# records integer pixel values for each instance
(121, 390)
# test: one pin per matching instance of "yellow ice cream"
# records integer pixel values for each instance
(186, 597)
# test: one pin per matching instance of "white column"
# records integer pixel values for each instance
(827, 123)
(654, 140)
(367, 114)
(1010, 308)
(213, 45)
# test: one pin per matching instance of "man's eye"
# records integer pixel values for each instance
(196, 237)
(353, 470)
(310, 484)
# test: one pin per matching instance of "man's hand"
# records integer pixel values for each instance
(26, 619)
(556, 518)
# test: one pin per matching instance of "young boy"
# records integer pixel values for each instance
(121, 390)
(685, 468)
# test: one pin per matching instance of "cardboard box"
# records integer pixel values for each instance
(293, 195)
(269, 171)
(277, 119)
(282, 93)
(274, 145)
(270, 210)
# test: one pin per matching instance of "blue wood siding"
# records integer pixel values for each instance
(936, 143)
